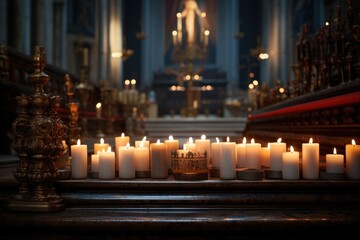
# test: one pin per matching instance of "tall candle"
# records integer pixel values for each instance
(310, 160)
(98, 110)
(203, 145)
(174, 37)
(190, 145)
(107, 164)
(141, 156)
(215, 154)
(240, 154)
(290, 164)
(120, 142)
(79, 160)
(179, 17)
(171, 145)
(228, 160)
(126, 162)
(159, 168)
(252, 155)
(95, 162)
(352, 152)
(276, 151)
(206, 37)
(334, 162)
(265, 156)
(98, 147)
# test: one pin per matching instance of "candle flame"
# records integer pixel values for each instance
(335, 151)
(144, 138)
(353, 142)
(244, 140)
(122, 135)
(158, 141)
(101, 141)
(291, 149)
(184, 147)
(178, 15)
(203, 137)
(310, 140)
(279, 140)
(191, 141)
(78, 142)
(227, 139)
(98, 105)
(217, 140)
(109, 149)
(98, 152)
(127, 145)
(171, 138)
(268, 146)
(252, 141)
(142, 144)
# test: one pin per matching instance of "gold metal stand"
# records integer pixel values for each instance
(38, 141)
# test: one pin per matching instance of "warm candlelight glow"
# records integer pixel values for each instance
(227, 139)
(127, 82)
(327, 24)
(268, 146)
(203, 137)
(171, 138)
(78, 142)
(191, 141)
(122, 135)
(178, 15)
(310, 140)
(109, 149)
(98, 105)
(279, 140)
(217, 140)
(141, 144)
(184, 147)
(174, 33)
(144, 139)
(252, 141)
(158, 141)
(133, 81)
(291, 149)
(101, 141)
(127, 145)
(98, 152)
(244, 140)
(353, 142)
(206, 32)
(203, 14)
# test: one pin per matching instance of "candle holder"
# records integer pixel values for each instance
(190, 166)
(38, 141)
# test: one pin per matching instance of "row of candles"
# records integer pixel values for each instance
(225, 156)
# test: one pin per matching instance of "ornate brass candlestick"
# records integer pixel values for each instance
(38, 141)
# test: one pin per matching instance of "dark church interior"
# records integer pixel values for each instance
(179, 119)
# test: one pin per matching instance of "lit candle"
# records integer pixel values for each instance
(141, 156)
(352, 152)
(179, 26)
(202, 146)
(98, 147)
(144, 142)
(182, 152)
(171, 145)
(206, 37)
(252, 155)
(174, 37)
(79, 161)
(120, 142)
(190, 145)
(107, 164)
(310, 160)
(95, 162)
(159, 168)
(276, 151)
(265, 156)
(240, 154)
(290, 164)
(334, 162)
(228, 160)
(126, 162)
(98, 110)
(215, 154)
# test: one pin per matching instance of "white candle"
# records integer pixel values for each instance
(290, 165)
(141, 156)
(240, 154)
(144, 142)
(228, 160)
(179, 26)
(107, 164)
(215, 154)
(159, 168)
(95, 162)
(98, 147)
(310, 160)
(252, 155)
(174, 37)
(206, 37)
(171, 145)
(126, 162)
(265, 156)
(334, 162)
(203, 145)
(98, 110)
(276, 151)
(352, 152)
(120, 142)
(79, 161)
(190, 145)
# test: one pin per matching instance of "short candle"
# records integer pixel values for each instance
(276, 150)
(79, 160)
(290, 165)
(334, 162)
